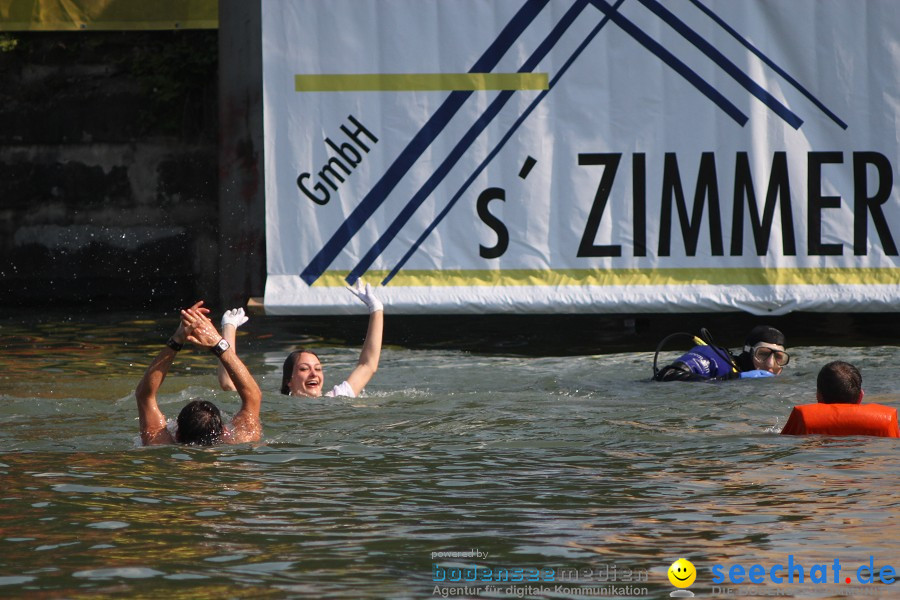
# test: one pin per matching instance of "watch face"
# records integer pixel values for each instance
(221, 346)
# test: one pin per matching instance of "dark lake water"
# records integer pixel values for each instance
(534, 458)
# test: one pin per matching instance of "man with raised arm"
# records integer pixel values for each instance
(200, 421)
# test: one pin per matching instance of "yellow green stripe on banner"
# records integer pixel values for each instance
(627, 277)
(107, 15)
(420, 82)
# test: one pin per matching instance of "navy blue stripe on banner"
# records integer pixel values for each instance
(433, 181)
(672, 61)
(463, 145)
(768, 61)
(417, 146)
(499, 146)
(729, 67)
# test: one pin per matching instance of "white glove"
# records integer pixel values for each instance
(235, 317)
(367, 295)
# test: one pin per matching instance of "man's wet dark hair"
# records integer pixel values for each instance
(760, 333)
(839, 382)
(200, 423)
(287, 370)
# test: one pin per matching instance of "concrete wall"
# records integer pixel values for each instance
(242, 211)
(109, 169)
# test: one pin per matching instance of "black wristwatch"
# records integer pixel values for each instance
(171, 343)
(220, 347)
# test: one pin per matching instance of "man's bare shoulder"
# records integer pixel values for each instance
(158, 438)
(244, 428)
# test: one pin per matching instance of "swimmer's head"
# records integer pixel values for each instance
(764, 350)
(764, 333)
(200, 423)
(302, 374)
(839, 382)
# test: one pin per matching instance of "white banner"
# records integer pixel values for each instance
(582, 155)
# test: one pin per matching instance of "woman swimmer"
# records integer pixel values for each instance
(302, 373)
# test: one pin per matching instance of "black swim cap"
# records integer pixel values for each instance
(763, 333)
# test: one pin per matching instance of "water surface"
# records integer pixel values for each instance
(562, 462)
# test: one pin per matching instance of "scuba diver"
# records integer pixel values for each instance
(763, 355)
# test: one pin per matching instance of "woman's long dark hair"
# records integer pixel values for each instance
(287, 370)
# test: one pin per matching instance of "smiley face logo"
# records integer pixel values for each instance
(682, 573)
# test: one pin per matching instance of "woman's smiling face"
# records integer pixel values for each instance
(307, 379)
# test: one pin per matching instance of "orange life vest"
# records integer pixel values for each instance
(843, 419)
